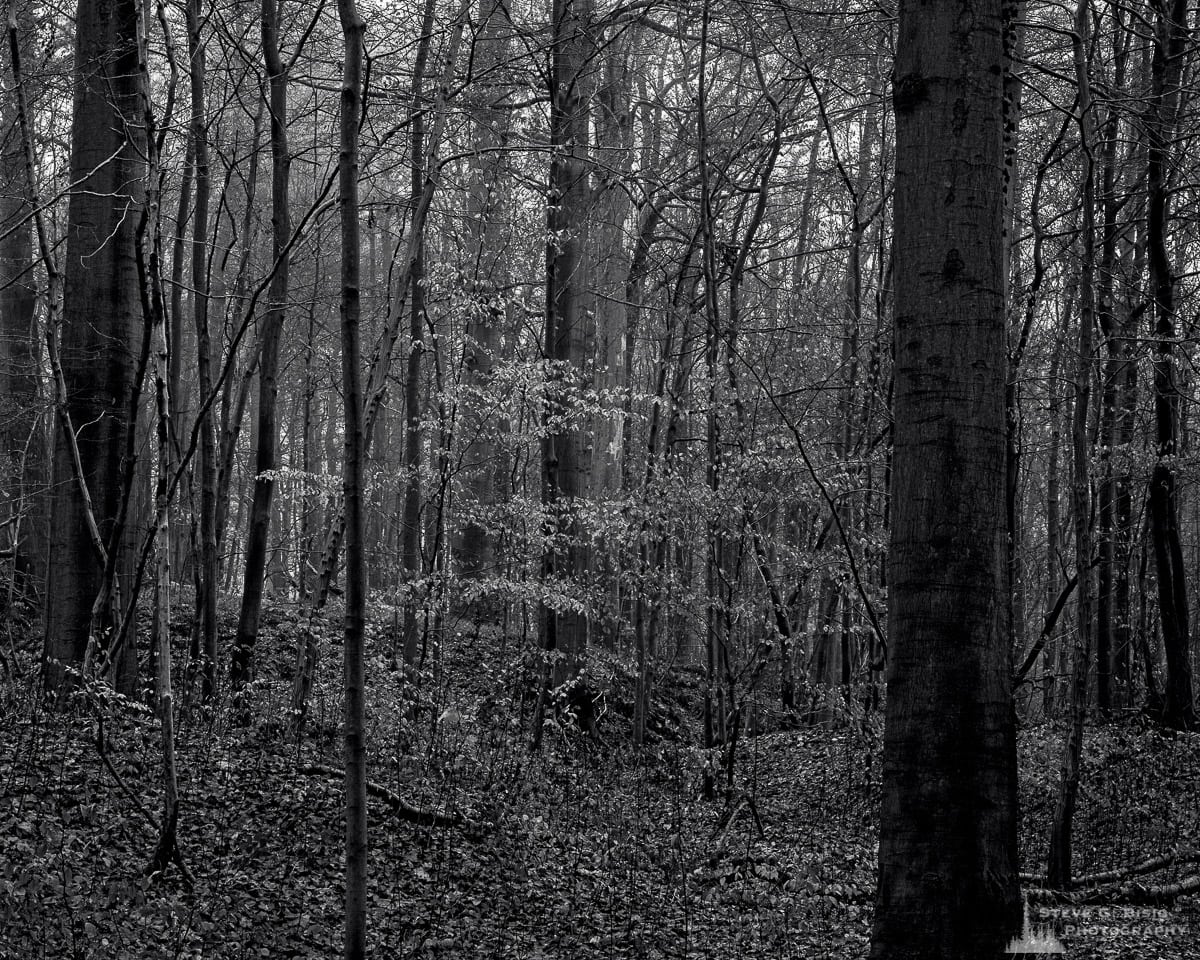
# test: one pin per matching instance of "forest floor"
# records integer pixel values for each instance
(591, 848)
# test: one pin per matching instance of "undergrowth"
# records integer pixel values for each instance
(591, 848)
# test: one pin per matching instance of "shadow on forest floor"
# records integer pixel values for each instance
(588, 850)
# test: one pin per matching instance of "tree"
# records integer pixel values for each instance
(1058, 871)
(1162, 114)
(100, 344)
(410, 523)
(354, 733)
(566, 455)
(209, 573)
(22, 442)
(486, 241)
(948, 853)
(268, 358)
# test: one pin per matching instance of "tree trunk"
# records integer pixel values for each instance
(381, 361)
(258, 533)
(948, 886)
(410, 525)
(1053, 522)
(100, 340)
(566, 455)
(155, 321)
(613, 160)
(484, 205)
(22, 440)
(207, 582)
(1170, 38)
(1058, 868)
(355, 943)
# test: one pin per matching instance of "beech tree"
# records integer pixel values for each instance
(948, 842)
(566, 450)
(99, 349)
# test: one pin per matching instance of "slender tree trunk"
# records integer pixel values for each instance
(154, 316)
(352, 490)
(1053, 521)
(1170, 39)
(948, 887)
(208, 580)
(381, 360)
(714, 714)
(1058, 869)
(22, 434)
(258, 534)
(410, 525)
(1112, 592)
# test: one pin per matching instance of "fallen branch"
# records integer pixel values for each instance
(402, 809)
(1179, 856)
(1114, 893)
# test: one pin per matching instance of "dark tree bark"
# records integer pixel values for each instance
(948, 886)
(100, 340)
(566, 455)
(22, 439)
(355, 943)
(1166, 66)
(268, 358)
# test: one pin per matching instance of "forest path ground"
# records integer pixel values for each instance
(588, 850)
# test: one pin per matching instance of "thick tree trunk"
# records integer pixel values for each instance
(566, 457)
(100, 341)
(258, 533)
(948, 886)
(613, 160)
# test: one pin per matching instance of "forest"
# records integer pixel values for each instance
(599, 478)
